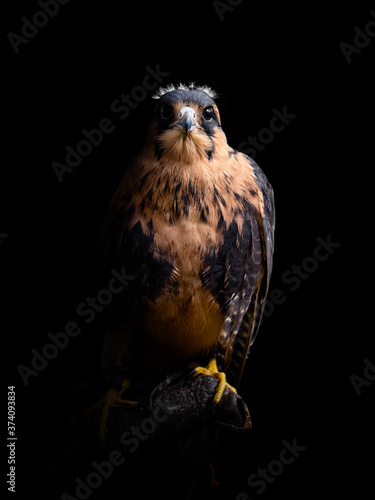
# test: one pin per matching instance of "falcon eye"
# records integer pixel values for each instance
(166, 112)
(208, 113)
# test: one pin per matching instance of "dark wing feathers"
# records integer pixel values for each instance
(248, 329)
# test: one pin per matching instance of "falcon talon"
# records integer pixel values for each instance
(212, 370)
(193, 219)
(192, 373)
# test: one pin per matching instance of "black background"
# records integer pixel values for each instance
(65, 79)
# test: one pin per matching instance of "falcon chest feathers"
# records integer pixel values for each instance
(192, 221)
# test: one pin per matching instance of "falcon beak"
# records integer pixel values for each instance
(187, 119)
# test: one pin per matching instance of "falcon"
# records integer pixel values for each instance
(192, 222)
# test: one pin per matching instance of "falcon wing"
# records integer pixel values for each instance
(251, 320)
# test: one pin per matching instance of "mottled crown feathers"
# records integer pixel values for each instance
(170, 88)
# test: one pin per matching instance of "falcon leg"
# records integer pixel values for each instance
(114, 347)
(111, 399)
(212, 370)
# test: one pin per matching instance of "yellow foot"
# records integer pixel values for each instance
(111, 399)
(211, 369)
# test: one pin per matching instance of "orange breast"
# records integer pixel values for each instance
(185, 318)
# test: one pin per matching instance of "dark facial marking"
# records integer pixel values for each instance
(164, 115)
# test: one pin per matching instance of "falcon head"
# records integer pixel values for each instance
(186, 123)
